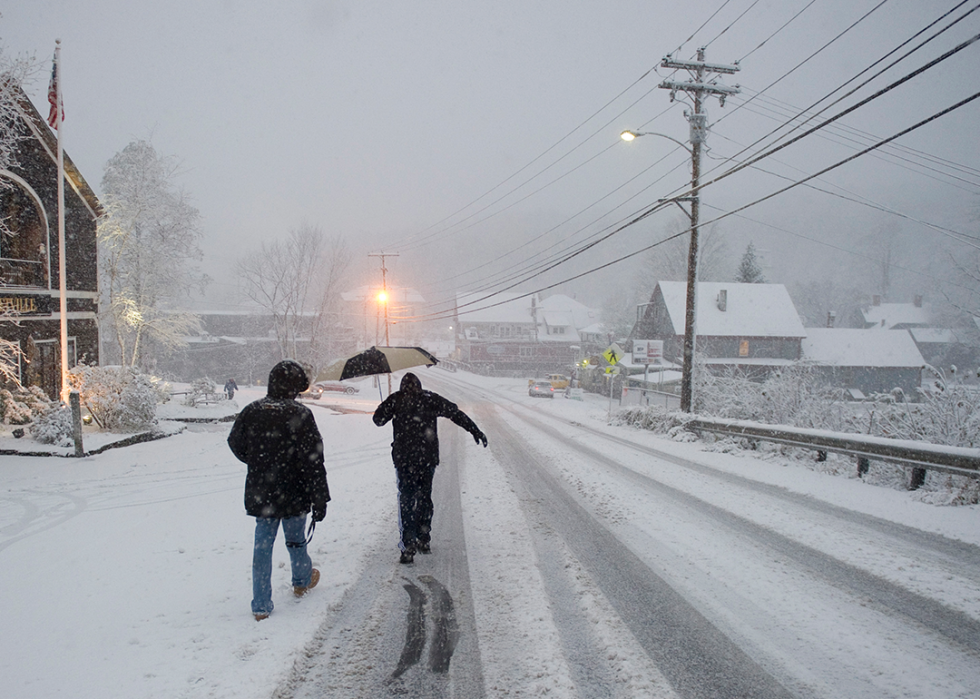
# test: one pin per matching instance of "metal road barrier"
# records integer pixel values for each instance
(922, 456)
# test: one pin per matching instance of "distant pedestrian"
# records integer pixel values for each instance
(415, 453)
(279, 440)
(230, 388)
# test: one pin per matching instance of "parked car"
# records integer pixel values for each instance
(541, 388)
(558, 382)
(337, 387)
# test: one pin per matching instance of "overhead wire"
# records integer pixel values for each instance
(732, 212)
(951, 164)
(837, 37)
(413, 237)
(771, 151)
(842, 136)
(870, 203)
(862, 72)
(816, 53)
(732, 24)
(644, 214)
(787, 23)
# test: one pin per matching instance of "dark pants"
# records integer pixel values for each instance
(414, 506)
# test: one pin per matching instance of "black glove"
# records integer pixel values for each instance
(319, 513)
(478, 436)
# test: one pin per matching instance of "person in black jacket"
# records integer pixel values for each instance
(278, 438)
(415, 453)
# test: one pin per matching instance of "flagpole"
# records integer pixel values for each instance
(62, 280)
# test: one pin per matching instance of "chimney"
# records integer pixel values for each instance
(876, 300)
(723, 300)
(917, 300)
(831, 317)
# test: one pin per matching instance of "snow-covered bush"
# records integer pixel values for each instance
(202, 390)
(54, 427)
(119, 398)
(20, 405)
(790, 396)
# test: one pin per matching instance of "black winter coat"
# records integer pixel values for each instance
(416, 441)
(279, 440)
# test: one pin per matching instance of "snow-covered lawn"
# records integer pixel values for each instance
(127, 574)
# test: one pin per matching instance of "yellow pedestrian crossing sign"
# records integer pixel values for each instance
(613, 353)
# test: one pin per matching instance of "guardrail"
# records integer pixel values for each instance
(922, 456)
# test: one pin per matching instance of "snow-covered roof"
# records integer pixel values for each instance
(751, 310)
(594, 329)
(556, 320)
(516, 308)
(888, 315)
(580, 314)
(933, 335)
(861, 348)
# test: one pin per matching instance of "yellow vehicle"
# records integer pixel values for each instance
(559, 382)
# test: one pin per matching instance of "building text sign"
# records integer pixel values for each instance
(648, 351)
(25, 305)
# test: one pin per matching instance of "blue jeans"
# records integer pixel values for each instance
(266, 528)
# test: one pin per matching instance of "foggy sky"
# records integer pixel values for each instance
(378, 120)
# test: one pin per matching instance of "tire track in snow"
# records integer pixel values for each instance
(695, 657)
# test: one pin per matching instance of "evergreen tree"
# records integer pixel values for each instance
(750, 268)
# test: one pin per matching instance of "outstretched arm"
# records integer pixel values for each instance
(452, 411)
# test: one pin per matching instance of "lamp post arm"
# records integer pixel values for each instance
(630, 135)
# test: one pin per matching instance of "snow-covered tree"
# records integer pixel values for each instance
(15, 72)
(297, 282)
(750, 268)
(148, 246)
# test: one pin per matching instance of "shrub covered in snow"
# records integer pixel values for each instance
(54, 427)
(20, 405)
(202, 390)
(119, 398)
(947, 414)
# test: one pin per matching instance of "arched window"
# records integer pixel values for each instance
(23, 236)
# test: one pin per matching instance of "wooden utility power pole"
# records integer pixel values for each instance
(384, 289)
(699, 88)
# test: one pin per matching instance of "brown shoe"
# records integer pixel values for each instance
(260, 617)
(314, 579)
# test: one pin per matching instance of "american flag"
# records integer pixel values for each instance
(53, 97)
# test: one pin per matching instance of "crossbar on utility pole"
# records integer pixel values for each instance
(698, 121)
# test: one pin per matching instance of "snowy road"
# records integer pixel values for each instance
(580, 562)
(570, 559)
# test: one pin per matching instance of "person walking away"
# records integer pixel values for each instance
(278, 439)
(230, 388)
(415, 453)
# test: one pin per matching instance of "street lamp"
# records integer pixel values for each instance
(690, 332)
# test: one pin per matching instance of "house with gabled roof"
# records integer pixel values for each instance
(870, 362)
(30, 313)
(754, 327)
(894, 316)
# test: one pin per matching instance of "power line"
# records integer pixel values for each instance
(733, 212)
(766, 40)
(731, 24)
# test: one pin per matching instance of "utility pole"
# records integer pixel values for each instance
(384, 286)
(699, 89)
(384, 290)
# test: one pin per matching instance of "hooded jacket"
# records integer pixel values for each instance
(414, 411)
(278, 438)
